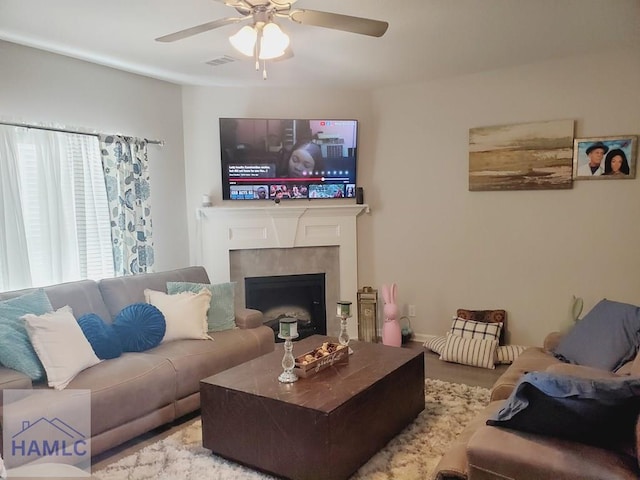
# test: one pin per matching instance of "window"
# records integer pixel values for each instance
(58, 214)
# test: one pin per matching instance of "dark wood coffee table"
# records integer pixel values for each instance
(322, 427)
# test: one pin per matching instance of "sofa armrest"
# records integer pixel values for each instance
(499, 453)
(13, 379)
(248, 318)
(552, 340)
(581, 371)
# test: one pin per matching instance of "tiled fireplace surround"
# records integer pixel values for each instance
(239, 242)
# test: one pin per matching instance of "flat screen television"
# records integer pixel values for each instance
(273, 159)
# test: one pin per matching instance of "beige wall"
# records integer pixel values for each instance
(446, 247)
(44, 88)
(526, 251)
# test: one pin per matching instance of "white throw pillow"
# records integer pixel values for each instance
(471, 329)
(477, 352)
(60, 344)
(508, 353)
(185, 313)
(436, 344)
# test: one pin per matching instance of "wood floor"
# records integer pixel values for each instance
(456, 373)
(434, 368)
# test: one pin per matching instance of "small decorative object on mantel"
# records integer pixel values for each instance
(344, 312)
(604, 158)
(288, 330)
(206, 201)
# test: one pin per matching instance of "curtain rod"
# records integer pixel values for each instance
(64, 130)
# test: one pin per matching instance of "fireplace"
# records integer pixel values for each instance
(294, 296)
(239, 242)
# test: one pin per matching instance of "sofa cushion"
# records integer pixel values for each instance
(126, 388)
(185, 313)
(221, 307)
(599, 412)
(607, 337)
(103, 338)
(476, 352)
(16, 350)
(472, 329)
(60, 344)
(139, 327)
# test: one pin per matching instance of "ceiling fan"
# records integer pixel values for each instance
(263, 11)
(263, 39)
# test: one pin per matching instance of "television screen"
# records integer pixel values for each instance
(269, 159)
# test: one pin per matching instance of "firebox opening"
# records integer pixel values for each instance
(295, 296)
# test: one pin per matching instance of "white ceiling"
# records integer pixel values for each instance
(426, 39)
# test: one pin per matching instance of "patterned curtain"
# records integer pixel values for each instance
(126, 172)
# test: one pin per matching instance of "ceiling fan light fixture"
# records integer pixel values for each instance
(245, 40)
(273, 42)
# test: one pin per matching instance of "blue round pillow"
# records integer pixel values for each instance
(101, 336)
(140, 326)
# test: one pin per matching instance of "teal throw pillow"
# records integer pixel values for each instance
(16, 351)
(103, 338)
(139, 327)
(221, 315)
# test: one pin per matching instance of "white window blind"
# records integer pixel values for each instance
(64, 209)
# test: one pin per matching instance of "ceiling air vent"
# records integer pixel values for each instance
(220, 61)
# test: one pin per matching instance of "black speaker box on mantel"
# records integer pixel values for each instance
(359, 195)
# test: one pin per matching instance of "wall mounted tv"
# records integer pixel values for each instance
(273, 159)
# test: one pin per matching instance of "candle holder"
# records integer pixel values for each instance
(344, 312)
(288, 331)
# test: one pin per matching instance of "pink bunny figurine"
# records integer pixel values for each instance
(391, 332)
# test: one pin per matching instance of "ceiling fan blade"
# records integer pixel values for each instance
(205, 27)
(336, 21)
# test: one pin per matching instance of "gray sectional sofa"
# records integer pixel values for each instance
(137, 392)
(483, 452)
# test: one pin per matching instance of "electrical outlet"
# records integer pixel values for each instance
(412, 310)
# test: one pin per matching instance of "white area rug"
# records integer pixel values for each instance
(411, 455)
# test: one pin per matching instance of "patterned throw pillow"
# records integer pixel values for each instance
(16, 350)
(471, 329)
(476, 352)
(485, 316)
(436, 344)
(506, 354)
(103, 338)
(139, 327)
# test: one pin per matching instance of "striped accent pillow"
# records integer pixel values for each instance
(476, 352)
(508, 353)
(471, 329)
(436, 344)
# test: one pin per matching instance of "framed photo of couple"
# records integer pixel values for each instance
(605, 158)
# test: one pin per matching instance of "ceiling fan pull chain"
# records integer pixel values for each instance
(264, 70)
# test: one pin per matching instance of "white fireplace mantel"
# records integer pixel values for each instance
(223, 229)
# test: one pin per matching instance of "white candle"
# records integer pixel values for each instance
(344, 309)
(288, 327)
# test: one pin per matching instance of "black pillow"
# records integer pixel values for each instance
(597, 412)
